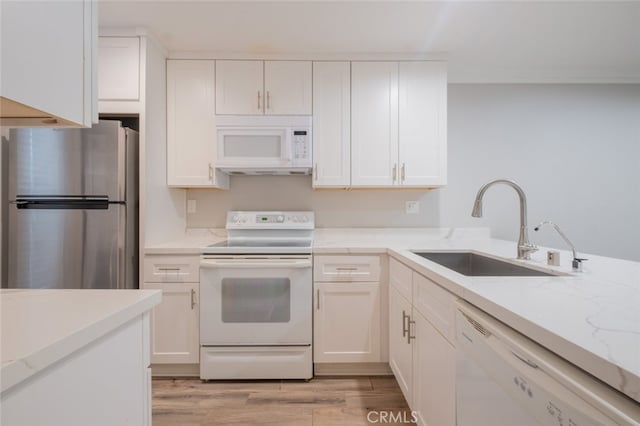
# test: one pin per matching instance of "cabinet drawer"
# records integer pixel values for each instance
(346, 268)
(436, 304)
(158, 269)
(400, 277)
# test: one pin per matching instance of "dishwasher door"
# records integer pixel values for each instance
(503, 378)
(482, 402)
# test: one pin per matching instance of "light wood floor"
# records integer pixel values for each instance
(320, 402)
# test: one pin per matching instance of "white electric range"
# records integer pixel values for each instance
(256, 298)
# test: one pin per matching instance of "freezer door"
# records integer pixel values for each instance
(72, 248)
(68, 161)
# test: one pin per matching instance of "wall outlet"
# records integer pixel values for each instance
(191, 206)
(412, 207)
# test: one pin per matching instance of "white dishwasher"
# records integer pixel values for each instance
(504, 378)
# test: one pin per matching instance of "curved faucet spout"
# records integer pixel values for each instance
(525, 248)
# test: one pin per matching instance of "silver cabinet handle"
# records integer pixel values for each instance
(318, 299)
(169, 269)
(405, 317)
(193, 299)
(344, 268)
(258, 100)
(315, 172)
(402, 172)
(394, 172)
(210, 173)
(409, 336)
(268, 100)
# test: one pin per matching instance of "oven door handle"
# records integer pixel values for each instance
(261, 264)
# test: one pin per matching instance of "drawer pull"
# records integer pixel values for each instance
(346, 269)
(168, 269)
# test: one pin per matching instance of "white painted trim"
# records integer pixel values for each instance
(311, 56)
(175, 370)
(352, 369)
(120, 107)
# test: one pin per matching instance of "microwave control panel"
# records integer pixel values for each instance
(301, 147)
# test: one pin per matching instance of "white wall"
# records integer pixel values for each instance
(575, 149)
(164, 208)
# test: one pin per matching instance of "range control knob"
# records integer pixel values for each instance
(304, 219)
(280, 219)
(235, 219)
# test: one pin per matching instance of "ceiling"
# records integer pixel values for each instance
(514, 41)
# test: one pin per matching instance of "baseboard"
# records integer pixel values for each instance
(352, 369)
(175, 370)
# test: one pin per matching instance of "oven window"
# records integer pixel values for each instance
(256, 300)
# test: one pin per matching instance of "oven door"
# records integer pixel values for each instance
(251, 300)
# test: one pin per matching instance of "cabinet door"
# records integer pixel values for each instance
(191, 131)
(119, 68)
(374, 123)
(331, 124)
(47, 67)
(287, 86)
(423, 123)
(175, 336)
(434, 375)
(239, 87)
(400, 347)
(347, 322)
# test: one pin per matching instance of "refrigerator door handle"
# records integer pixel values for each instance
(69, 202)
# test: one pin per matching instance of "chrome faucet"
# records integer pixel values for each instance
(576, 263)
(525, 248)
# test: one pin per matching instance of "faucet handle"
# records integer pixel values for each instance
(576, 264)
(525, 250)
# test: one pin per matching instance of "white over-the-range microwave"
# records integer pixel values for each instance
(264, 144)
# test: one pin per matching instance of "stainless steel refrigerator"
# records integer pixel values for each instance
(72, 210)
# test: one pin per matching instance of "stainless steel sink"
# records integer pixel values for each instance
(476, 265)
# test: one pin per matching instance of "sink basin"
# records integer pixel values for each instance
(476, 265)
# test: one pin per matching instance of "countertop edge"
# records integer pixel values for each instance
(21, 369)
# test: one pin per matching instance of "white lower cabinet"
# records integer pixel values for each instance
(347, 322)
(175, 331)
(420, 356)
(434, 372)
(175, 337)
(400, 348)
(349, 314)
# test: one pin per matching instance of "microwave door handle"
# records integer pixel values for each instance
(288, 142)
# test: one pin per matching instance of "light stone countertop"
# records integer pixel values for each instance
(40, 326)
(591, 318)
(191, 243)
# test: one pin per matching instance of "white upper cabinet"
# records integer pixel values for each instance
(259, 87)
(47, 69)
(287, 86)
(423, 124)
(374, 123)
(399, 124)
(239, 87)
(331, 124)
(191, 130)
(119, 68)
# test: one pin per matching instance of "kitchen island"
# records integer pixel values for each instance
(75, 357)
